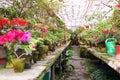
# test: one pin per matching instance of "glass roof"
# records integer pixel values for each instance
(78, 12)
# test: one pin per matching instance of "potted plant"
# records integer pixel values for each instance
(16, 40)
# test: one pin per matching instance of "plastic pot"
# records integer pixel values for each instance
(110, 46)
(18, 64)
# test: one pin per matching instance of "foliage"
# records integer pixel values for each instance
(98, 71)
(105, 74)
(66, 65)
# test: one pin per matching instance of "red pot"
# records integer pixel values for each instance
(117, 47)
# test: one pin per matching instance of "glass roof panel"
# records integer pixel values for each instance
(75, 12)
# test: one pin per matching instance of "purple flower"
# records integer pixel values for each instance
(25, 37)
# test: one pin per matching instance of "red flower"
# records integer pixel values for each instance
(18, 22)
(3, 22)
(105, 31)
(1, 26)
(22, 22)
(12, 22)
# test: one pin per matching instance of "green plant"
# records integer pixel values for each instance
(66, 65)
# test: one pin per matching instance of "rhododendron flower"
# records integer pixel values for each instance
(3, 39)
(44, 29)
(33, 46)
(118, 6)
(25, 37)
(22, 22)
(53, 24)
(14, 22)
(11, 35)
(3, 22)
(105, 31)
(39, 26)
(18, 22)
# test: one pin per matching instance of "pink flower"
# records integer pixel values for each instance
(19, 35)
(33, 46)
(39, 26)
(53, 24)
(105, 31)
(44, 29)
(11, 35)
(24, 36)
(118, 6)
(3, 39)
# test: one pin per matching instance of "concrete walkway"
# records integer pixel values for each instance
(79, 72)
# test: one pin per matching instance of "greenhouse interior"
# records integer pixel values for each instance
(59, 40)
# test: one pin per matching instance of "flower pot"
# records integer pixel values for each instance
(28, 65)
(46, 49)
(18, 64)
(117, 47)
(110, 46)
(44, 56)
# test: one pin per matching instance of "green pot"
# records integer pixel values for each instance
(110, 46)
(18, 64)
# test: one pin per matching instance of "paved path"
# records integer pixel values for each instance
(79, 72)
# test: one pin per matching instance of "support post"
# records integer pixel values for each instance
(53, 72)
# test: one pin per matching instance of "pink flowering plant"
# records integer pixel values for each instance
(13, 36)
(14, 40)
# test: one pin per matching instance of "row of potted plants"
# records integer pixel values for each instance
(103, 34)
(26, 43)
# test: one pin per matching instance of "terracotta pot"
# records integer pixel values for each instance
(117, 47)
(18, 64)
